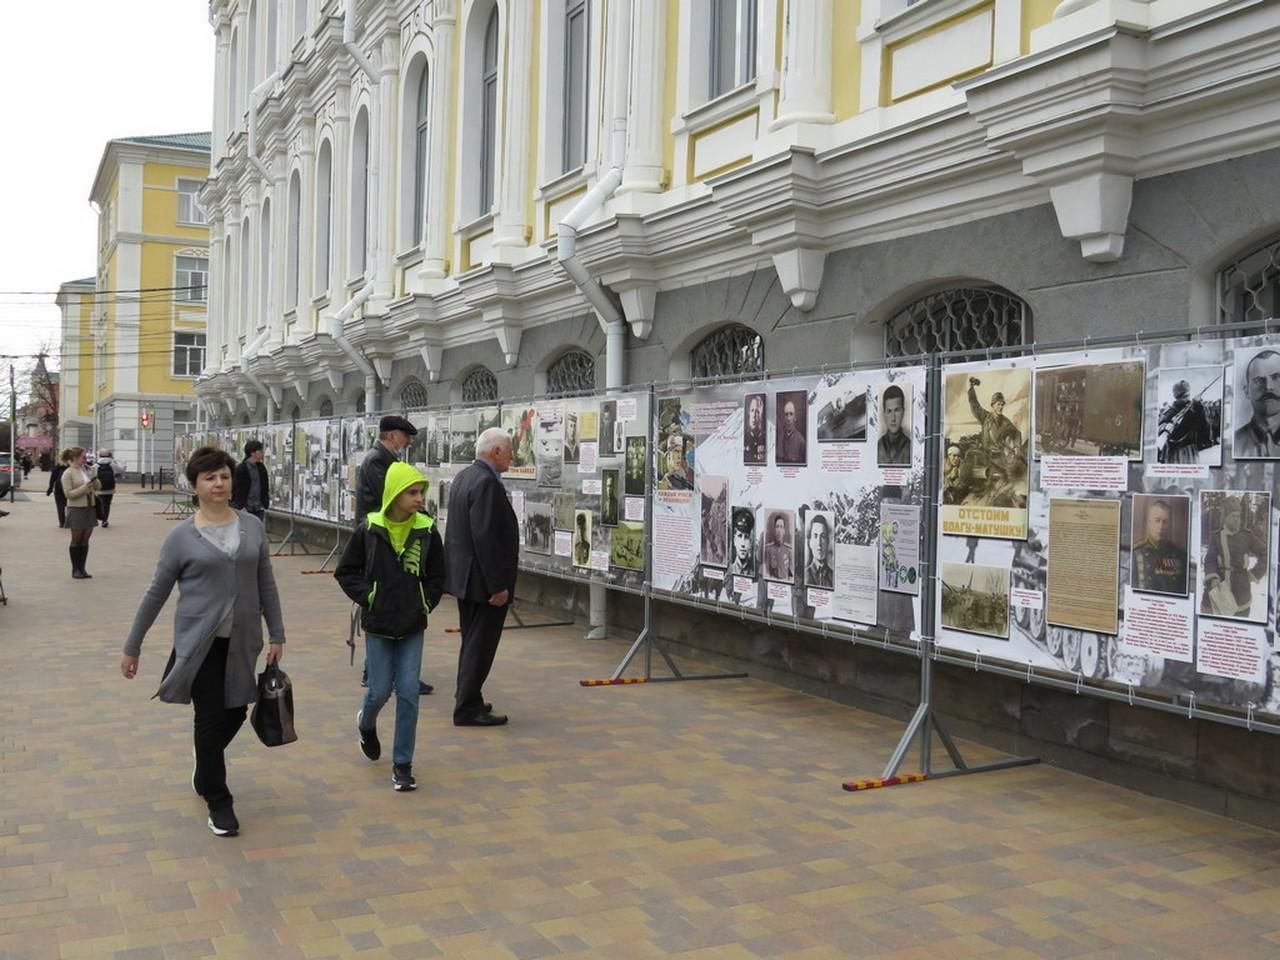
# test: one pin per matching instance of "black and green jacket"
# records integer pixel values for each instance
(395, 591)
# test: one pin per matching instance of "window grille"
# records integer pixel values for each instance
(480, 385)
(575, 372)
(728, 352)
(413, 395)
(188, 354)
(295, 413)
(1249, 288)
(959, 319)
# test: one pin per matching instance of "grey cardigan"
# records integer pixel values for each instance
(210, 586)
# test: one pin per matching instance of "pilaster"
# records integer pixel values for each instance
(516, 124)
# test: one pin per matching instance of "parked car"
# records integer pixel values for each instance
(8, 475)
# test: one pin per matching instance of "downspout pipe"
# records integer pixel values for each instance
(255, 103)
(337, 322)
(250, 351)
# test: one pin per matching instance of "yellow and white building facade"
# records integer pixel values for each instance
(429, 200)
(133, 337)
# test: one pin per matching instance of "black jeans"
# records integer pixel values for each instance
(481, 626)
(103, 500)
(216, 724)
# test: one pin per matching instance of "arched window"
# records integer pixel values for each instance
(299, 18)
(233, 82)
(293, 241)
(573, 139)
(360, 403)
(964, 318)
(246, 274)
(489, 111)
(727, 352)
(264, 264)
(413, 395)
(575, 372)
(326, 407)
(420, 147)
(251, 51)
(358, 254)
(732, 45)
(480, 385)
(1249, 288)
(324, 216)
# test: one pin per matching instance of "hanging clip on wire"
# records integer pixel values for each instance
(1079, 682)
(1028, 671)
(1248, 717)
(1130, 685)
(1191, 705)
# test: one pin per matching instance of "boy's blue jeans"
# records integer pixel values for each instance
(394, 663)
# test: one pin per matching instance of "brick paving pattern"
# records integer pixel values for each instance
(699, 820)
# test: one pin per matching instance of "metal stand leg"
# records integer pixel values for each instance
(337, 542)
(521, 625)
(648, 642)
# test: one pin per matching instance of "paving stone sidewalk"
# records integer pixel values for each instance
(697, 820)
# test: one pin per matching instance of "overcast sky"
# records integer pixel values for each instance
(78, 73)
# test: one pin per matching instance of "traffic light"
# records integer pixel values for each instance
(146, 419)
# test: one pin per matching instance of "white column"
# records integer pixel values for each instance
(306, 224)
(436, 229)
(277, 258)
(806, 68)
(214, 337)
(387, 138)
(223, 41)
(513, 187)
(645, 110)
(231, 330)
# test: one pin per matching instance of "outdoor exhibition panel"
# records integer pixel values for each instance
(796, 498)
(1111, 515)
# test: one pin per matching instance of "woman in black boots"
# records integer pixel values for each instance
(79, 483)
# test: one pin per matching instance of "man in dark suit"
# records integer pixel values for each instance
(250, 486)
(481, 550)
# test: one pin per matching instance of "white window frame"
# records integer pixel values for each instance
(189, 190)
(199, 350)
(421, 155)
(576, 79)
(324, 218)
(746, 30)
(184, 296)
(358, 228)
(489, 76)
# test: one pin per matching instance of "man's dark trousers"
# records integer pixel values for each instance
(481, 625)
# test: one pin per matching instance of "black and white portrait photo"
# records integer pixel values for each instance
(791, 428)
(1256, 404)
(755, 449)
(893, 449)
(609, 498)
(1160, 532)
(779, 545)
(715, 520)
(637, 447)
(608, 423)
(818, 568)
(1235, 532)
(742, 543)
(571, 437)
(1189, 419)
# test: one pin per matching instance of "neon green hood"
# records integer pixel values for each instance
(400, 477)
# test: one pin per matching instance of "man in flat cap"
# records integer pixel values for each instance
(999, 437)
(393, 437)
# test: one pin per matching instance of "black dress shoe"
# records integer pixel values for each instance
(481, 720)
(425, 688)
(486, 708)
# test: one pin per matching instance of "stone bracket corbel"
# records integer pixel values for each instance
(509, 335)
(382, 367)
(432, 360)
(639, 306)
(300, 387)
(334, 375)
(800, 272)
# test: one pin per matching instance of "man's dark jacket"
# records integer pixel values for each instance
(240, 485)
(482, 538)
(373, 474)
(395, 591)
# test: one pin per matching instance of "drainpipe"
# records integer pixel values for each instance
(250, 351)
(338, 321)
(608, 311)
(255, 102)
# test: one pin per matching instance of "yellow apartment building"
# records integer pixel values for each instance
(134, 336)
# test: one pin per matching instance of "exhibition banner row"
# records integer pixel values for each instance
(1106, 515)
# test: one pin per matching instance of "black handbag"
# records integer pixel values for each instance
(272, 716)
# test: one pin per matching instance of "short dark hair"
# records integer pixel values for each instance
(894, 392)
(818, 518)
(252, 447)
(206, 460)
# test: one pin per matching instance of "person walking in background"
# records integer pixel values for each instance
(80, 484)
(482, 546)
(107, 470)
(393, 569)
(55, 488)
(219, 560)
(394, 434)
(251, 488)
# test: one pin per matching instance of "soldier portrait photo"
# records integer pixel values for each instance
(1189, 415)
(637, 447)
(779, 546)
(819, 541)
(975, 599)
(714, 492)
(1160, 529)
(893, 449)
(986, 419)
(570, 450)
(609, 498)
(1256, 404)
(791, 428)
(1090, 410)
(742, 542)
(608, 423)
(1235, 531)
(755, 449)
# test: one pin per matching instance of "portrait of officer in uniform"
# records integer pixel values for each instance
(1160, 529)
(1258, 399)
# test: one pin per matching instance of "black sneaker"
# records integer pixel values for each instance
(402, 777)
(369, 744)
(425, 689)
(223, 822)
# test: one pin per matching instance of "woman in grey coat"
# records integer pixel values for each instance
(219, 561)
